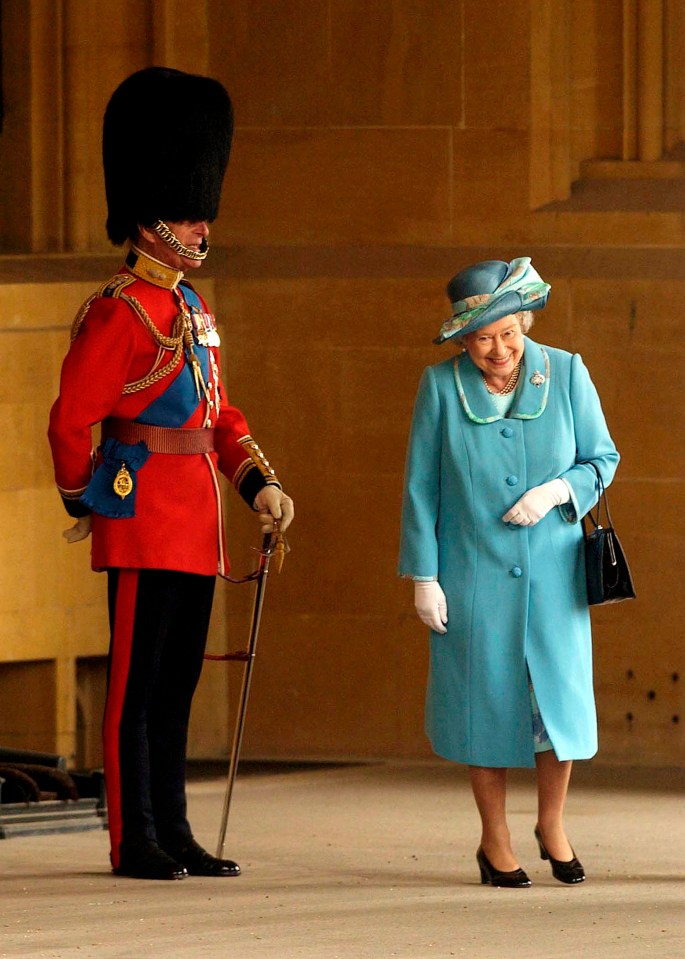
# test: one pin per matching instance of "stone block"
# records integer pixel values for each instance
(274, 60)
(330, 673)
(406, 67)
(337, 185)
(496, 88)
(490, 181)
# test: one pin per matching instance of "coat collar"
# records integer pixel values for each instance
(531, 394)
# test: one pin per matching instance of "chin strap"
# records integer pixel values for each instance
(172, 241)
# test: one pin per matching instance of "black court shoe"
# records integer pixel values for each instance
(570, 871)
(516, 879)
(149, 861)
(199, 862)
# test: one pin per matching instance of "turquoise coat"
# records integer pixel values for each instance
(516, 595)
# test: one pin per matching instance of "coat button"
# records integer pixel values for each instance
(512, 480)
(507, 432)
(516, 571)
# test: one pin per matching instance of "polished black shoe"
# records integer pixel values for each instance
(569, 871)
(149, 862)
(516, 879)
(199, 862)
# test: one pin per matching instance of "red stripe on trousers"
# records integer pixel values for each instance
(122, 640)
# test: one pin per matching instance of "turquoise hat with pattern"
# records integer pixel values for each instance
(489, 291)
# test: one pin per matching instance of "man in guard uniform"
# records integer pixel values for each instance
(144, 363)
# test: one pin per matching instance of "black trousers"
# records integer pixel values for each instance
(159, 621)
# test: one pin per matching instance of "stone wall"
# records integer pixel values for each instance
(378, 149)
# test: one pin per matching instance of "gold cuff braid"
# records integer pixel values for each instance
(255, 458)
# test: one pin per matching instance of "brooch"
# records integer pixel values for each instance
(537, 379)
(123, 484)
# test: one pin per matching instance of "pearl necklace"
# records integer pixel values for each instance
(510, 385)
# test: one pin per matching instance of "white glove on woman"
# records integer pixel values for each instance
(80, 530)
(537, 502)
(431, 605)
(271, 503)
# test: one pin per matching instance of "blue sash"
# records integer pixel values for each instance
(173, 408)
(180, 400)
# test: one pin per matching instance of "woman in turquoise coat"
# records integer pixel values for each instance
(497, 481)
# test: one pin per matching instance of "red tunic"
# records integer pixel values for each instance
(178, 520)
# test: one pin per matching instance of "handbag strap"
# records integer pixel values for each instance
(601, 498)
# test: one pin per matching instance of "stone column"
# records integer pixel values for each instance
(650, 79)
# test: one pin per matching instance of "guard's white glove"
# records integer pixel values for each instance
(431, 605)
(272, 503)
(537, 502)
(80, 530)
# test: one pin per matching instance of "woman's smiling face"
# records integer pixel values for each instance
(496, 349)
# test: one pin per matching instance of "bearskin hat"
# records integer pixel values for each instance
(165, 145)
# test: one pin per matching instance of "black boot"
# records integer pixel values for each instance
(148, 861)
(198, 862)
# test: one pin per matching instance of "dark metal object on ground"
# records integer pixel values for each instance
(38, 796)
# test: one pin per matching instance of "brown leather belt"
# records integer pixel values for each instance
(160, 439)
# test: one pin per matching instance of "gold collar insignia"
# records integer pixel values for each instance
(146, 267)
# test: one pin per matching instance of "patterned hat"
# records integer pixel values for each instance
(165, 144)
(489, 291)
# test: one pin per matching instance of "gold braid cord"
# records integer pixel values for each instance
(115, 288)
(174, 343)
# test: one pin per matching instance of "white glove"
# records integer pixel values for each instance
(431, 605)
(80, 530)
(537, 502)
(272, 503)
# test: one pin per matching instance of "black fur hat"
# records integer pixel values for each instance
(165, 145)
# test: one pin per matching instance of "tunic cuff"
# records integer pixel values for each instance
(251, 483)
(75, 508)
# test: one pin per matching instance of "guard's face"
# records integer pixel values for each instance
(497, 348)
(189, 233)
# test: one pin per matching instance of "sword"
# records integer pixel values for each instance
(273, 543)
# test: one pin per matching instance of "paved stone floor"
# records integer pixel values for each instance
(366, 862)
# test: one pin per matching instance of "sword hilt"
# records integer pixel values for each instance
(274, 544)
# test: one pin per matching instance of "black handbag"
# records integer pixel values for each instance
(606, 568)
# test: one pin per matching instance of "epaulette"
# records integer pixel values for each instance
(114, 287)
